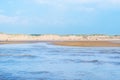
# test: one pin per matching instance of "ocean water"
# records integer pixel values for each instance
(42, 61)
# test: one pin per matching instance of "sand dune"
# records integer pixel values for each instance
(11, 37)
(66, 40)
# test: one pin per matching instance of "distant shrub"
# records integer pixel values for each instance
(35, 34)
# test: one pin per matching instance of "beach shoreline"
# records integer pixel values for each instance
(63, 40)
(70, 43)
(89, 43)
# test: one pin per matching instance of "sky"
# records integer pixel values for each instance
(60, 16)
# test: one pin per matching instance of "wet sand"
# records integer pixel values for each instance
(14, 42)
(19, 42)
(71, 43)
(89, 43)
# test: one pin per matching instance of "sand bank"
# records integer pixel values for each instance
(13, 37)
(71, 43)
(64, 40)
(89, 43)
(18, 42)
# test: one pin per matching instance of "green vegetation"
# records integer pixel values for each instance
(63, 34)
(35, 34)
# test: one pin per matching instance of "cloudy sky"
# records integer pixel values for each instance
(60, 16)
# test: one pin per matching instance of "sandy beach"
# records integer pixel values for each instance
(18, 42)
(88, 43)
(71, 43)
(63, 40)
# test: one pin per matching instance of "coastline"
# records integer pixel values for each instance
(15, 42)
(71, 43)
(19, 42)
(63, 40)
(88, 43)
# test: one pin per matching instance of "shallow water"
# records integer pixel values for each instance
(40, 61)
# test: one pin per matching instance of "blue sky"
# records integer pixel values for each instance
(60, 16)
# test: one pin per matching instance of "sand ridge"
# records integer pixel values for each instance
(64, 40)
(88, 43)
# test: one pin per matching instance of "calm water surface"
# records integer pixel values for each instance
(40, 61)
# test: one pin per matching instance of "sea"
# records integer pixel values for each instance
(44, 61)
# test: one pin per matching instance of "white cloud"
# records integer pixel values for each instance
(12, 20)
(8, 19)
(81, 2)
(65, 5)
(63, 1)
(114, 1)
(76, 1)
(61, 9)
